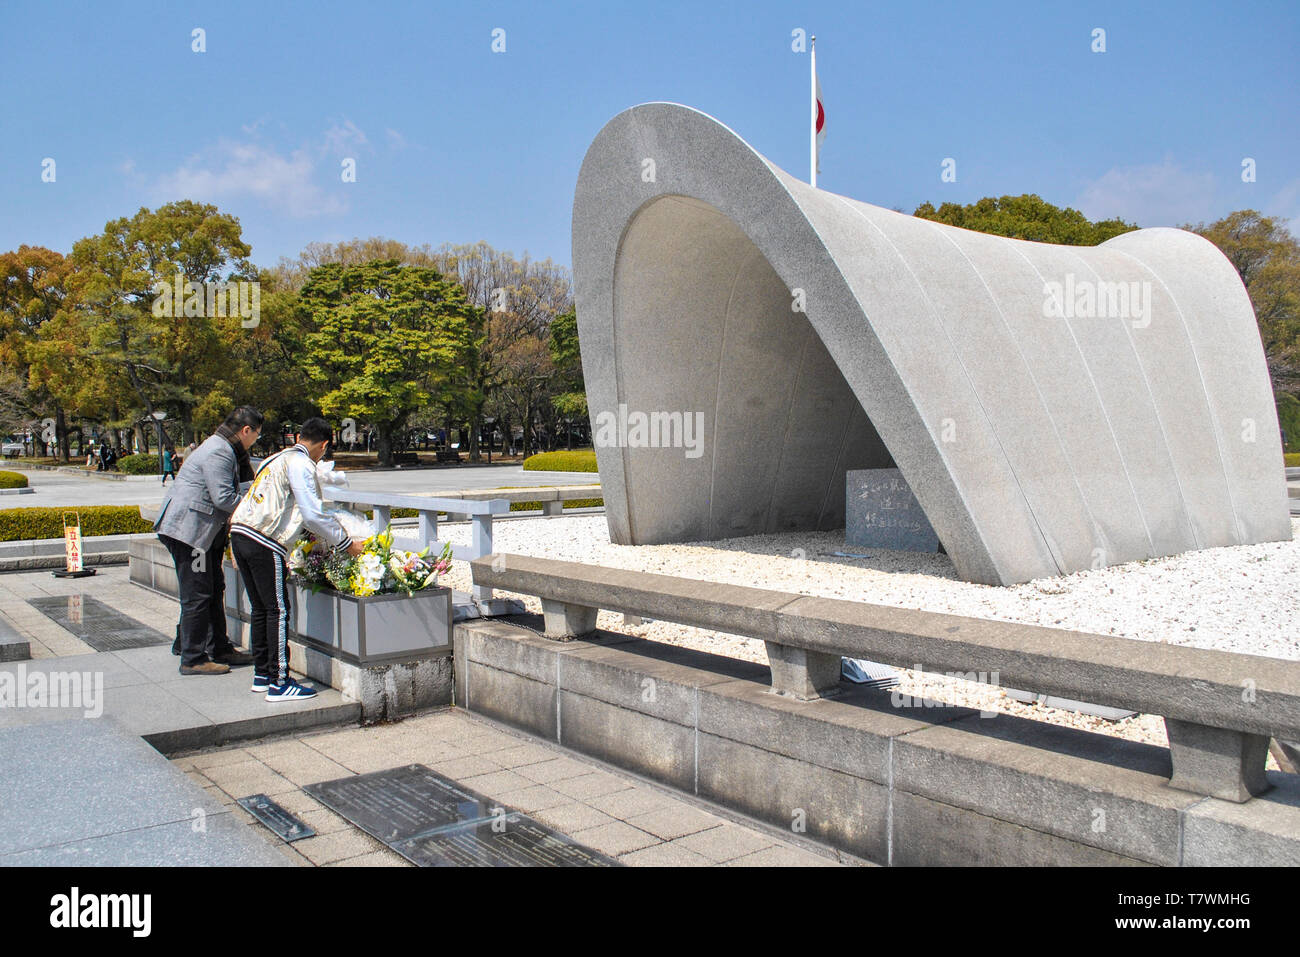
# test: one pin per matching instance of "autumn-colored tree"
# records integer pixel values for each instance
(1267, 257)
(33, 286)
(110, 340)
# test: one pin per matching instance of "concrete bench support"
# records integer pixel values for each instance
(801, 674)
(1216, 761)
(564, 621)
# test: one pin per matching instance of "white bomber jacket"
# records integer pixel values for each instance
(285, 496)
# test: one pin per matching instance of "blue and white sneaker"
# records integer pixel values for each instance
(261, 684)
(289, 691)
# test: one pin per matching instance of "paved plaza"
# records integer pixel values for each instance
(286, 748)
(63, 489)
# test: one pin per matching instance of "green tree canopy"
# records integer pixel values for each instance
(1026, 217)
(385, 340)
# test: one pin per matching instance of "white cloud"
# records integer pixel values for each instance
(1158, 194)
(284, 182)
(396, 140)
(343, 137)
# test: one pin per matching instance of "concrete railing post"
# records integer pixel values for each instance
(801, 674)
(482, 545)
(428, 528)
(1217, 762)
(567, 621)
(553, 508)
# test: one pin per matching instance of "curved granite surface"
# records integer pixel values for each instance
(1044, 424)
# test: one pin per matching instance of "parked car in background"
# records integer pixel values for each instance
(12, 448)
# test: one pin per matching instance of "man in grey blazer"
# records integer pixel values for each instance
(193, 525)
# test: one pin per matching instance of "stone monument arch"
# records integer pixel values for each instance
(748, 339)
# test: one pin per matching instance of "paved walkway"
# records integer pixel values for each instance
(64, 489)
(607, 810)
(611, 811)
(110, 585)
(91, 793)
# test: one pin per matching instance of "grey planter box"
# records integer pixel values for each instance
(236, 597)
(376, 628)
(316, 616)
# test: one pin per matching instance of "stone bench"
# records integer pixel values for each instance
(1220, 708)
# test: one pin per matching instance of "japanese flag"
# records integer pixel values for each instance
(821, 125)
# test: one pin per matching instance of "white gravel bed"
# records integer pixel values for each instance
(1242, 598)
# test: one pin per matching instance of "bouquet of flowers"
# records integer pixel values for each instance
(380, 570)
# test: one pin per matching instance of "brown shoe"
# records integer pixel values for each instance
(233, 657)
(207, 668)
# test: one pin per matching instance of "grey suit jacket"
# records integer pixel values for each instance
(203, 496)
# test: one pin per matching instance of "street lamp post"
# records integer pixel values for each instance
(158, 421)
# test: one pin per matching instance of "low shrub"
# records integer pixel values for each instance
(13, 480)
(1292, 460)
(142, 463)
(21, 524)
(576, 503)
(581, 460)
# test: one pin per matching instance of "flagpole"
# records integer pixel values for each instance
(812, 124)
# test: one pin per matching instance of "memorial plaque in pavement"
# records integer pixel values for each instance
(281, 823)
(98, 625)
(511, 840)
(882, 512)
(400, 803)
(433, 822)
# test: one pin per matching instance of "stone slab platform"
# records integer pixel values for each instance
(144, 693)
(91, 793)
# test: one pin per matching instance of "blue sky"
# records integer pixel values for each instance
(455, 143)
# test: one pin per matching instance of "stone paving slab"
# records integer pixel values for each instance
(92, 792)
(609, 811)
(143, 691)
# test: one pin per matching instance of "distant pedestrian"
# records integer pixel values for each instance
(168, 465)
(192, 524)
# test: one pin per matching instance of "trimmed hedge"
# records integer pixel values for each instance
(21, 524)
(583, 460)
(1292, 460)
(13, 480)
(142, 463)
(576, 503)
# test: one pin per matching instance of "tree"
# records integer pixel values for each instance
(385, 340)
(518, 298)
(570, 400)
(33, 287)
(110, 348)
(1026, 217)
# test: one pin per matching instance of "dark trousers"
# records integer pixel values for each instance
(201, 633)
(266, 578)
